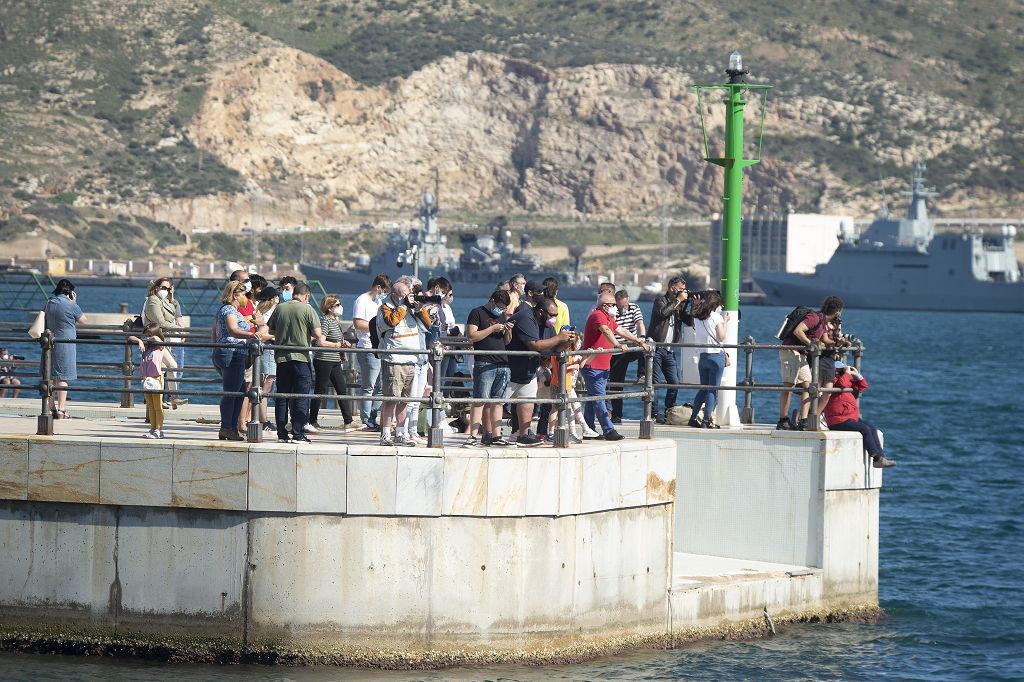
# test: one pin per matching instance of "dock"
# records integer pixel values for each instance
(345, 552)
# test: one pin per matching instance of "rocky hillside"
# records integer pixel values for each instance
(226, 113)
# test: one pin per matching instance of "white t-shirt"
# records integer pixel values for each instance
(707, 333)
(365, 308)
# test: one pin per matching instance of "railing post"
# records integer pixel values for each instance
(435, 436)
(44, 423)
(254, 429)
(748, 381)
(561, 439)
(127, 369)
(815, 389)
(647, 423)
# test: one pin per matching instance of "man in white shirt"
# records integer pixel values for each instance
(364, 310)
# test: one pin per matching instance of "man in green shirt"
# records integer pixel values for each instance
(295, 323)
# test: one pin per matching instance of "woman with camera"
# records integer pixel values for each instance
(63, 315)
(710, 325)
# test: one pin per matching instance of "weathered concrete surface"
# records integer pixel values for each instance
(412, 583)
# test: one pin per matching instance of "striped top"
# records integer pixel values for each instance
(332, 330)
(630, 318)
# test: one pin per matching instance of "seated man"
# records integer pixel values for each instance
(843, 414)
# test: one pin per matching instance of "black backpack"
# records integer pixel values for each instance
(795, 317)
(374, 336)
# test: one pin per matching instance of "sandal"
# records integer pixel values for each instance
(60, 414)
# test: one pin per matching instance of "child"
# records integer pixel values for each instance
(572, 369)
(151, 371)
(843, 414)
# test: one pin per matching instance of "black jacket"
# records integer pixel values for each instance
(666, 312)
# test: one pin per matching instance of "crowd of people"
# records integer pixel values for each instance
(519, 333)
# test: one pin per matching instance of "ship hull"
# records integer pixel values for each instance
(895, 280)
(354, 282)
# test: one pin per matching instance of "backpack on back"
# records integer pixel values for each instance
(374, 336)
(792, 321)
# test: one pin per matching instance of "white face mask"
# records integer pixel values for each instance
(338, 310)
(248, 286)
(162, 293)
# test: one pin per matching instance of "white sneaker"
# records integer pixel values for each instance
(153, 434)
(575, 438)
(589, 432)
(310, 428)
(822, 424)
(160, 433)
(400, 440)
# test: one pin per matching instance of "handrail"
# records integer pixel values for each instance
(125, 373)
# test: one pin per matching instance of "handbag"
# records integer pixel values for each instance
(36, 330)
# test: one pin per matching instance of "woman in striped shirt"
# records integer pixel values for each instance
(328, 365)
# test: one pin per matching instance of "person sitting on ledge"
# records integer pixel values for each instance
(843, 414)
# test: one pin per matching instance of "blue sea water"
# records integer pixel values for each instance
(945, 389)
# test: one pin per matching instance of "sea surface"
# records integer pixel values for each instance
(946, 391)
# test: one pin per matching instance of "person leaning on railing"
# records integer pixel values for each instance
(328, 365)
(231, 328)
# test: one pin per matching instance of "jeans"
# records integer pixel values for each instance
(666, 371)
(293, 376)
(449, 366)
(330, 373)
(868, 431)
(230, 362)
(710, 366)
(596, 381)
(490, 380)
(620, 367)
(369, 385)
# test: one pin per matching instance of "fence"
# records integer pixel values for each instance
(435, 356)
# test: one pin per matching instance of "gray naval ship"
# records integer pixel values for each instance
(901, 264)
(483, 262)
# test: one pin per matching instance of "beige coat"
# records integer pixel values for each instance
(161, 312)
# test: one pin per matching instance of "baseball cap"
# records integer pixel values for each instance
(534, 285)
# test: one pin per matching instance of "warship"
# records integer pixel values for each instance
(901, 264)
(485, 260)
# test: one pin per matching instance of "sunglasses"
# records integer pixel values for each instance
(164, 288)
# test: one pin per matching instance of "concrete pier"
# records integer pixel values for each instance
(341, 548)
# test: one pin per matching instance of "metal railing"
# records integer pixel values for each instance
(435, 356)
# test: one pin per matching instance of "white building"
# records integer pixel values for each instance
(796, 242)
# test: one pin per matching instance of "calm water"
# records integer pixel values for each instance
(952, 529)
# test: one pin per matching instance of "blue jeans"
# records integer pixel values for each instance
(230, 362)
(710, 366)
(369, 386)
(868, 431)
(596, 381)
(293, 376)
(666, 371)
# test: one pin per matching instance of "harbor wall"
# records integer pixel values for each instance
(340, 545)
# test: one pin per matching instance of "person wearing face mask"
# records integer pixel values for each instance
(365, 309)
(328, 365)
(247, 307)
(162, 310)
(286, 288)
(600, 333)
(547, 318)
(669, 313)
(489, 330)
(629, 317)
(710, 325)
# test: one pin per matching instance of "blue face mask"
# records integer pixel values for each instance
(285, 295)
(497, 311)
(381, 298)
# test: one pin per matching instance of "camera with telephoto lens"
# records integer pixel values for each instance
(429, 298)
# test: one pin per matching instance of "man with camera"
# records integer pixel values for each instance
(670, 311)
(401, 324)
(489, 330)
(821, 328)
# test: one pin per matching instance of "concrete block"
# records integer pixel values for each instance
(570, 479)
(542, 486)
(372, 484)
(600, 481)
(272, 477)
(210, 477)
(321, 480)
(419, 484)
(137, 473)
(465, 485)
(847, 465)
(506, 487)
(661, 471)
(13, 469)
(850, 544)
(633, 475)
(65, 470)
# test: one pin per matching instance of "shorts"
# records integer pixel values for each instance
(528, 390)
(396, 380)
(794, 367)
(490, 380)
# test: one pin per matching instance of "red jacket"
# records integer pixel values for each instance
(843, 406)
